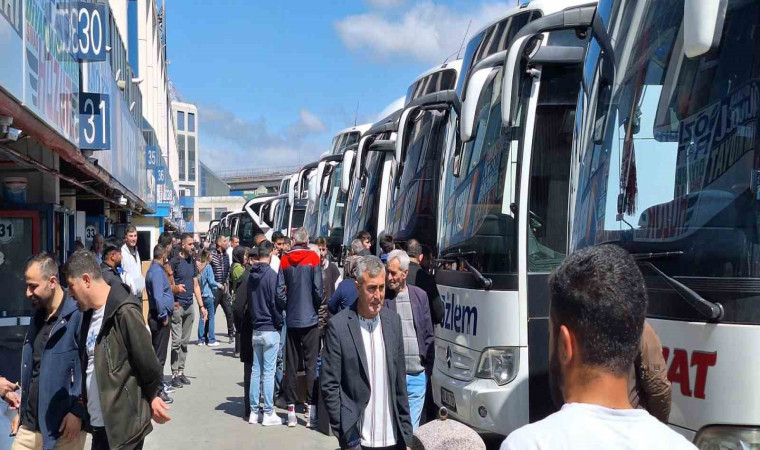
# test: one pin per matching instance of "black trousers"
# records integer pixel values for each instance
(302, 344)
(159, 334)
(247, 367)
(100, 440)
(223, 298)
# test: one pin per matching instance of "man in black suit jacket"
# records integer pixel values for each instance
(354, 361)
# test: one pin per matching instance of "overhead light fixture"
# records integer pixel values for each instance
(122, 200)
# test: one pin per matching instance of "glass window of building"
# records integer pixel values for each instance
(181, 120)
(181, 153)
(191, 163)
(191, 122)
(204, 214)
(218, 213)
(188, 215)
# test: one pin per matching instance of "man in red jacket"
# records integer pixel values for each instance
(303, 279)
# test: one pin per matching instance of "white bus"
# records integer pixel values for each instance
(503, 217)
(667, 165)
(366, 184)
(426, 130)
(331, 199)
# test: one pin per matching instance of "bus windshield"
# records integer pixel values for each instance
(364, 197)
(677, 171)
(474, 217)
(414, 198)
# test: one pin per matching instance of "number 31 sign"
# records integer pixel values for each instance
(94, 121)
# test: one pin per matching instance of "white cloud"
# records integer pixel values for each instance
(232, 142)
(427, 31)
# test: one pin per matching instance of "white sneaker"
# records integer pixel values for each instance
(213, 344)
(292, 420)
(253, 419)
(310, 416)
(201, 343)
(271, 419)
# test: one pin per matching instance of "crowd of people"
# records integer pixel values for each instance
(363, 339)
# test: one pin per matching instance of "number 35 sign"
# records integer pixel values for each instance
(94, 121)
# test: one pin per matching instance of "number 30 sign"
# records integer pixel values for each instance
(94, 121)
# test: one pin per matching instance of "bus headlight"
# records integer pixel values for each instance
(499, 364)
(727, 438)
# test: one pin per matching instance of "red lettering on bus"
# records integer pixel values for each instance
(678, 369)
(702, 360)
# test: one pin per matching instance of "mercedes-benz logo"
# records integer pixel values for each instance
(448, 356)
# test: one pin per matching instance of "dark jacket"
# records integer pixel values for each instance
(242, 317)
(330, 276)
(422, 279)
(126, 368)
(303, 279)
(110, 274)
(422, 324)
(344, 377)
(648, 384)
(344, 297)
(60, 379)
(266, 295)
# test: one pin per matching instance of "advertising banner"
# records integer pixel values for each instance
(51, 71)
(12, 47)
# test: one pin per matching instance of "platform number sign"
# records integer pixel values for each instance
(151, 156)
(160, 176)
(90, 232)
(7, 231)
(89, 44)
(94, 121)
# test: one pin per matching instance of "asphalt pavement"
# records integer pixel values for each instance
(209, 412)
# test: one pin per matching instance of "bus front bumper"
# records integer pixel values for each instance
(481, 403)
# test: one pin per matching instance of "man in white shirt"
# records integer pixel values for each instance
(598, 306)
(131, 264)
(275, 262)
(363, 376)
(234, 242)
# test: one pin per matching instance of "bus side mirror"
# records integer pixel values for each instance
(474, 86)
(320, 174)
(312, 194)
(400, 141)
(578, 18)
(292, 190)
(345, 175)
(702, 25)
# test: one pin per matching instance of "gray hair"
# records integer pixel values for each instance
(401, 256)
(349, 266)
(301, 236)
(370, 265)
(357, 246)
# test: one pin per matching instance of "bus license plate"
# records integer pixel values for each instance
(448, 399)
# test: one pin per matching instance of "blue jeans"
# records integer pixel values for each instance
(208, 302)
(265, 346)
(280, 358)
(415, 387)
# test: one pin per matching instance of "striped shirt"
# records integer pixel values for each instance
(221, 266)
(377, 425)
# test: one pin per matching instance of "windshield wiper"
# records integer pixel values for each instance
(710, 310)
(485, 282)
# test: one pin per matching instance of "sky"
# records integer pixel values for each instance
(274, 81)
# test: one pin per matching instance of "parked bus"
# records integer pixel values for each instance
(667, 165)
(427, 129)
(367, 182)
(331, 199)
(503, 216)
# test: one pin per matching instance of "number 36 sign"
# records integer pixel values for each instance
(94, 121)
